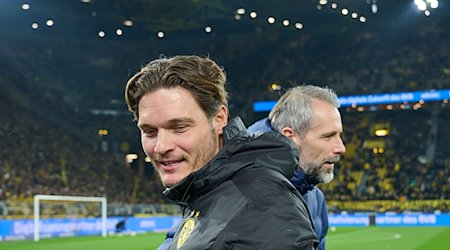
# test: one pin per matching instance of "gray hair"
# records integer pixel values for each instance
(294, 109)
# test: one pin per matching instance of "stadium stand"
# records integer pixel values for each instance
(396, 169)
(58, 93)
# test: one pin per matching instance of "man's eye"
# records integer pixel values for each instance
(181, 128)
(329, 136)
(149, 133)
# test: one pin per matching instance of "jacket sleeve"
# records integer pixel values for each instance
(316, 203)
(276, 216)
(324, 218)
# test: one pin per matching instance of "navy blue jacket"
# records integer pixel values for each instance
(316, 203)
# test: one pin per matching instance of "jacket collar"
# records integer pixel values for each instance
(301, 182)
(234, 128)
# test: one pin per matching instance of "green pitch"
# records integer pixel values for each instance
(343, 238)
(126, 242)
(388, 238)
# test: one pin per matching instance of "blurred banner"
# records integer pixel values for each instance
(375, 99)
(390, 219)
(412, 220)
(24, 229)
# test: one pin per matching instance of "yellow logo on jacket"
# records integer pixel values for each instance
(187, 229)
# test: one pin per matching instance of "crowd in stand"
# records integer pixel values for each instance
(395, 167)
(38, 157)
(59, 152)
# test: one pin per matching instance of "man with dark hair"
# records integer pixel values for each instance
(234, 189)
(309, 116)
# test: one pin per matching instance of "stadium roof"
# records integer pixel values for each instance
(143, 19)
(63, 43)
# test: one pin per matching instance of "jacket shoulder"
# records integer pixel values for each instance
(274, 218)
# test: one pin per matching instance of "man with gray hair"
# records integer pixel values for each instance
(309, 116)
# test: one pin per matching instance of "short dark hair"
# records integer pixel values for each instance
(201, 76)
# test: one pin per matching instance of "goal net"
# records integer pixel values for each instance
(57, 215)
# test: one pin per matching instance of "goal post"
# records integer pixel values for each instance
(40, 197)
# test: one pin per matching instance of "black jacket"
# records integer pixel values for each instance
(242, 198)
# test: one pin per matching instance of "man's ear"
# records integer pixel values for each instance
(288, 132)
(221, 119)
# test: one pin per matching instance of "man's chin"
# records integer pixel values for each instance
(169, 183)
(327, 177)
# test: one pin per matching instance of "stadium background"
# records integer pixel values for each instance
(65, 129)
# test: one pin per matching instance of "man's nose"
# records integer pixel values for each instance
(164, 142)
(340, 147)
